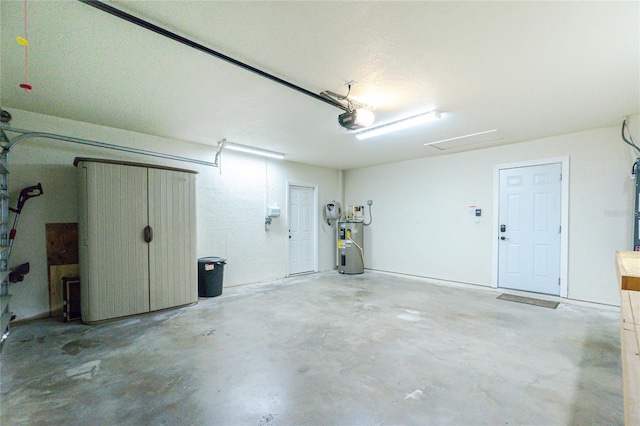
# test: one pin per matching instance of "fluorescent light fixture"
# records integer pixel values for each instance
(461, 137)
(252, 150)
(399, 125)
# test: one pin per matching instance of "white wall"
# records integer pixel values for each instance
(231, 205)
(421, 226)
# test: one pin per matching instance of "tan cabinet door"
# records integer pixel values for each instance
(114, 256)
(172, 252)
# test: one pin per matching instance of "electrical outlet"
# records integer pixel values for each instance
(369, 202)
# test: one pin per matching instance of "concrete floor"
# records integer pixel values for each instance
(322, 349)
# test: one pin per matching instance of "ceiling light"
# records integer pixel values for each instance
(399, 125)
(357, 115)
(461, 137)
(252, 150)
(358, 118)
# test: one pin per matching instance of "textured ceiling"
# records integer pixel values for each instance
(528, 69)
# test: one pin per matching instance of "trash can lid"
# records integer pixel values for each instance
(212, 259)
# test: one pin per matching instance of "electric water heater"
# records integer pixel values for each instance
(350, 247)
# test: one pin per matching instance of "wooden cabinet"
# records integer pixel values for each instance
(137, 237)
(628, 268)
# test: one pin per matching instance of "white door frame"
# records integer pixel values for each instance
(564, 217)
(291, 183)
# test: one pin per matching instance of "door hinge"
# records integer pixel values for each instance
(560, 176)
(558, 282)
(560, 229)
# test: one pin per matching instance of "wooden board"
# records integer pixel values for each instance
(631, 377)
(62, 249)
(62, 243)
(628, 268)
(56, 273)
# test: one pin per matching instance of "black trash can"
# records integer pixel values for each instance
(210, 275)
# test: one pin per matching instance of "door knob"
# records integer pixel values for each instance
(503, 238)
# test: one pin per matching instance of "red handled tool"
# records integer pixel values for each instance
(25, 194)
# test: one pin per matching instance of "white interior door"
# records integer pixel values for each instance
(301, 232)
(529, 220)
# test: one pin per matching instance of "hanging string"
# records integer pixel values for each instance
(26, 49)
(25, 42)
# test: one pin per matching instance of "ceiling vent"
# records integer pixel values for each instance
(468, 141)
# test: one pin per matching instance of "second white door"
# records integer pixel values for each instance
(301, 229)
(530, 217)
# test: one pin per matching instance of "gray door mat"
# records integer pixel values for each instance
(529, 301)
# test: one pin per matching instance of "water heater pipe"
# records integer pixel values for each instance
(359, 248)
